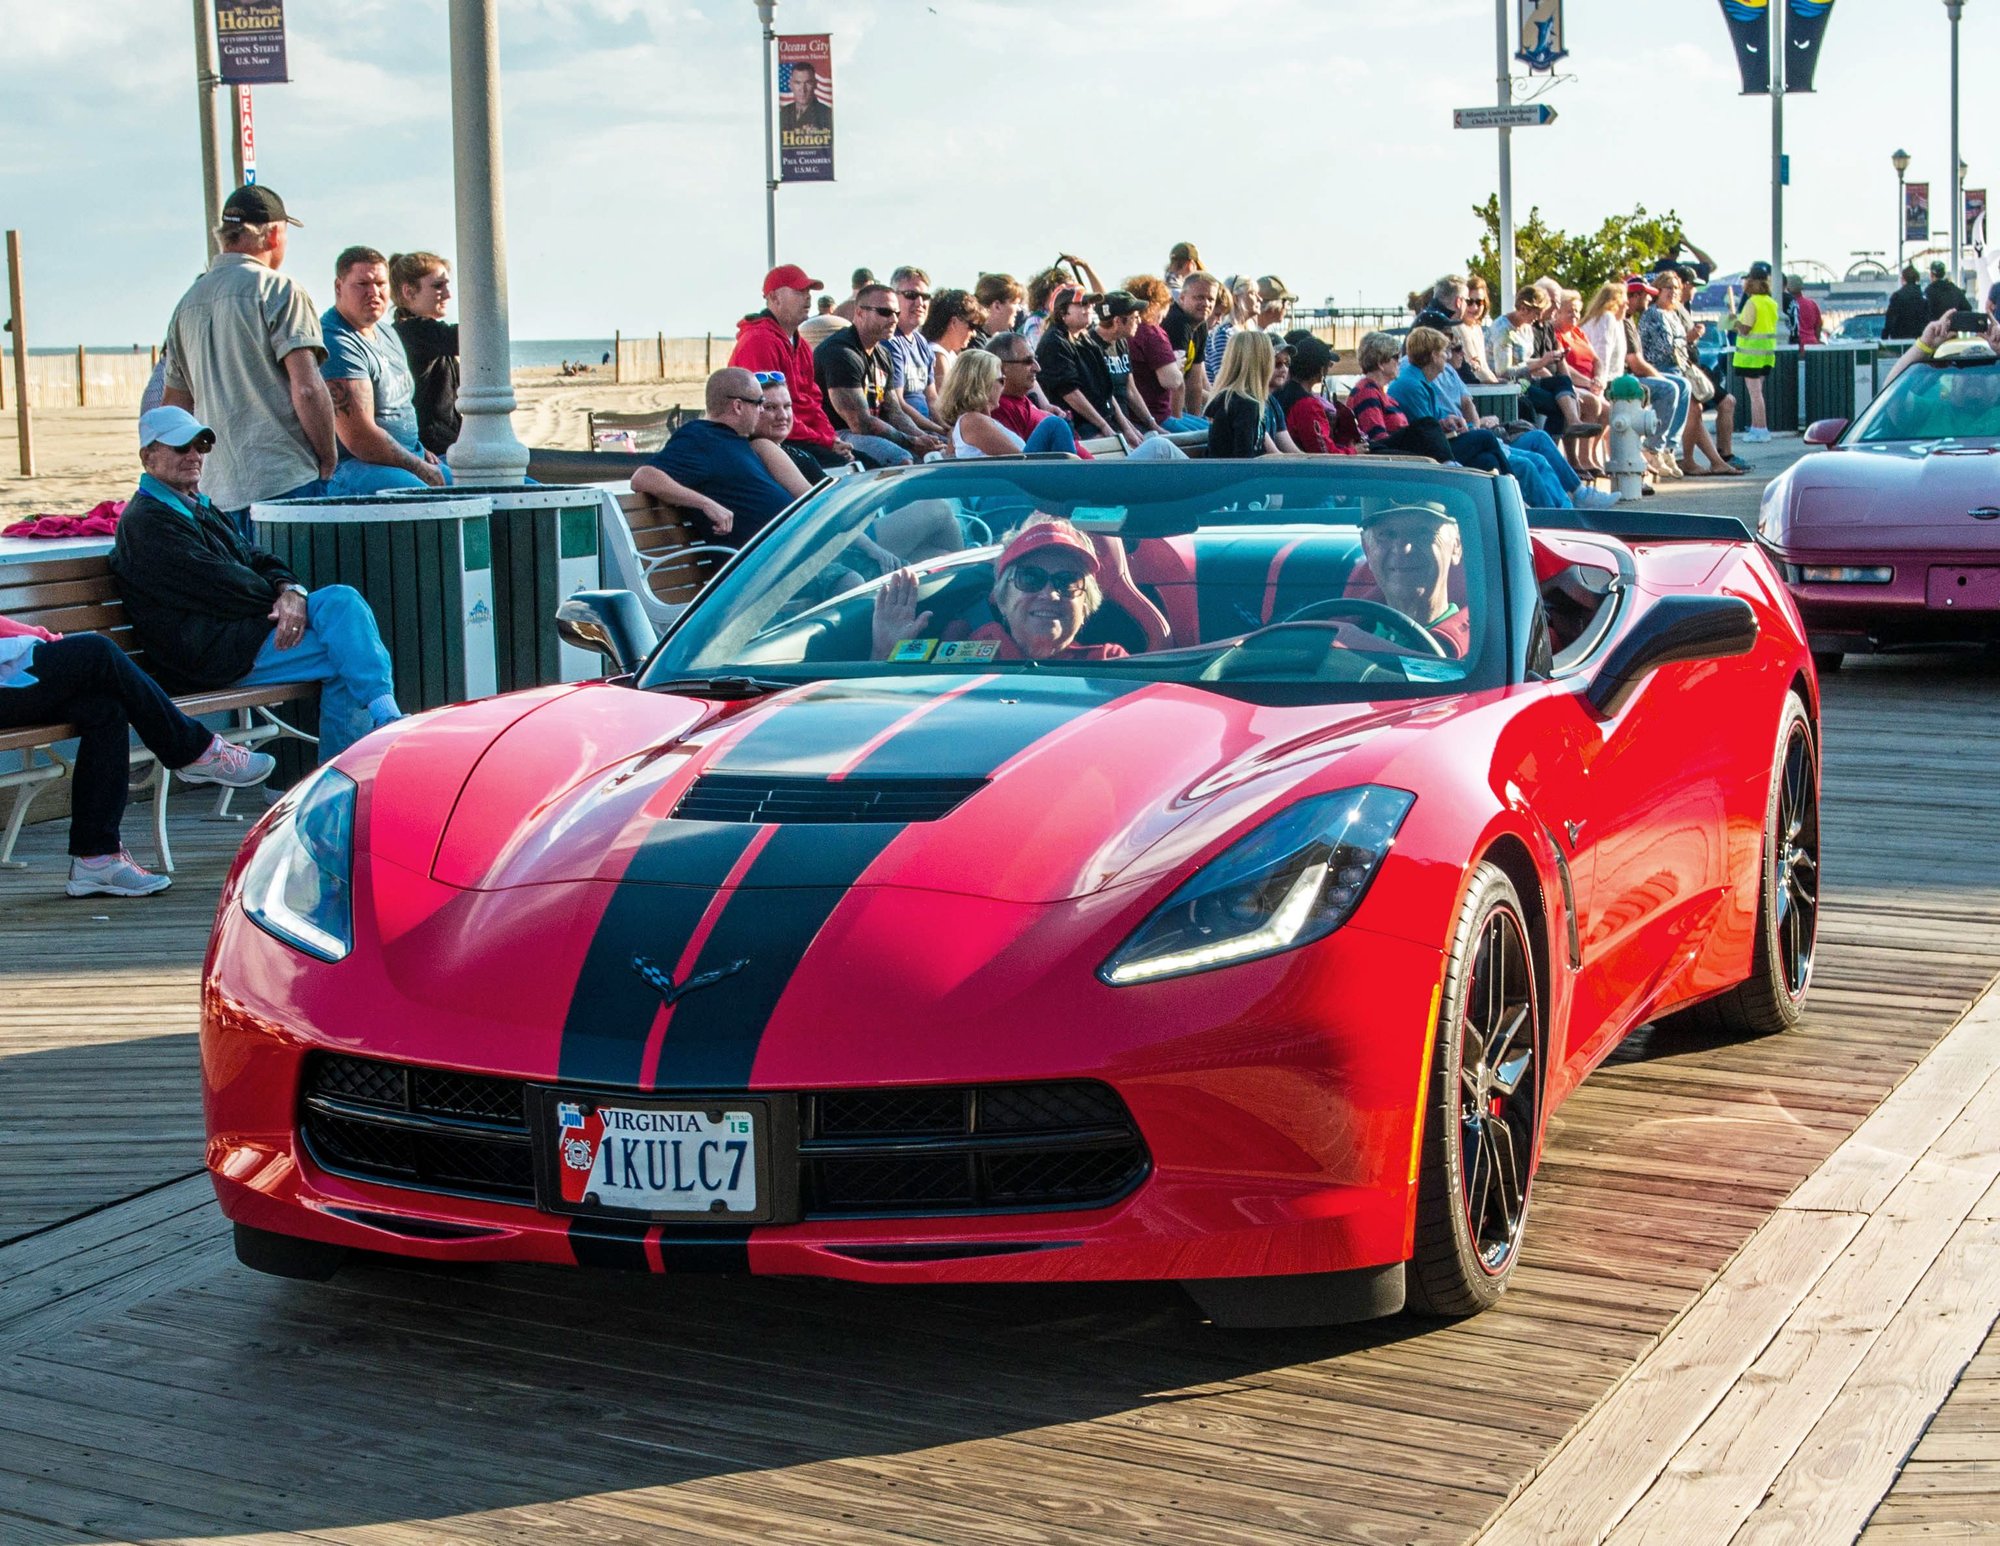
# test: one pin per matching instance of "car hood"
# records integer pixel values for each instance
(1907, 494)
(1046, 787)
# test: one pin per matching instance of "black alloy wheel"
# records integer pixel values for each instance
(1483, 1119)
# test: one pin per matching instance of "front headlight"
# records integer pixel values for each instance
(1295, 879)
(299, 884)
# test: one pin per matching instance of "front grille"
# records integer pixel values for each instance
(422, 1127)
(999, 1148)
(774, 800)
(929, 1150)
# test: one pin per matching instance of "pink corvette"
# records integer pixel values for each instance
(1893, 536)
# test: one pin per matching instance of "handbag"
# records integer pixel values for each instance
(1700, 387)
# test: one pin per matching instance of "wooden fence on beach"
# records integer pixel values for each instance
(83, 379)
(661, 358)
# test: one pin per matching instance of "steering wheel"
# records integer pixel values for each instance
(1385, 622)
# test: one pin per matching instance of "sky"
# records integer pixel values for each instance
(1307, 138)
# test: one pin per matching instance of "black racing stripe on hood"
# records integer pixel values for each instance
(610, 1243)
(975, 733)
(611, 1012)
(712, 1039)
(820, 731)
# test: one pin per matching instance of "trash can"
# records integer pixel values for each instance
(1830, 383)
(1781, 392)
(544, 549)
(425, 567)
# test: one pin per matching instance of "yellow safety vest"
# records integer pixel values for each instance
(1757, 333)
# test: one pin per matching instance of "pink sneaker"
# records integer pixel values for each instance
(227, 763)
(113, 875)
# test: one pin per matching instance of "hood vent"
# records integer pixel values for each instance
(776, 800)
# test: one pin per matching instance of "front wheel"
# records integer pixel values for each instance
(1482, 1121)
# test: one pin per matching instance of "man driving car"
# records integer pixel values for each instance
(1411, 551)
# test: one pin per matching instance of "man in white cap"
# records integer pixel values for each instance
(213, 611)
(244, 349)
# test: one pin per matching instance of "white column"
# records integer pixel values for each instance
(766, 13)
(486, 450)
(1504, 301)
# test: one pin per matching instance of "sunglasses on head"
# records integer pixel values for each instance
(1032, 579)
(770, 378)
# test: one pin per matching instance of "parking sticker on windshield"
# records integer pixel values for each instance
(913, 649)
(969, 649)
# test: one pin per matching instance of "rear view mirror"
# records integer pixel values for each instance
(611, 622)
(1824, 432)
(1673, 628)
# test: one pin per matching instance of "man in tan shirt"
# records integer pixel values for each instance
(243, 351)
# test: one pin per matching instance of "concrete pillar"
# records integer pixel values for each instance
(486, 450)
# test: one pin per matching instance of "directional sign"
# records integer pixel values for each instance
(1531, 115)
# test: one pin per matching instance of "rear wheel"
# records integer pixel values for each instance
(1482, 1121)
(1772, 998)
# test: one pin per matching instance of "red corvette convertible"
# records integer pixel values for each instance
(1894, 537)
(1210, 872)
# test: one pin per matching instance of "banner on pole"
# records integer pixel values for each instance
(1750, 30)
(1975, 212)
(250, 41)
(1541, 35)
(805, 109)
(1805, 26)
(246, 135)
(1916, 212)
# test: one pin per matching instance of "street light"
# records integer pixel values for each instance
(1901, 162)
(767, 13)
(1955, 9)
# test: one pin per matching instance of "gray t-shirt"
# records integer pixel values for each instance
(376, 357)
(226, 347)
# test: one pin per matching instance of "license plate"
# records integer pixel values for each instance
(1970, 590)
(659, 1159)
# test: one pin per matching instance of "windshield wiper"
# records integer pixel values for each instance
(720, 686)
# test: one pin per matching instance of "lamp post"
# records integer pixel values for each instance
(1901, 162)
(767, 14)
(486, 450)
(1955, 9)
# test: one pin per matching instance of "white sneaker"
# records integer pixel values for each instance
(113, 875)
(227, 763)
(1588, 498)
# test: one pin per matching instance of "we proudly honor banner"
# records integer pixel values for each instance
(1916, 212)
(805, 109)
(250, 41)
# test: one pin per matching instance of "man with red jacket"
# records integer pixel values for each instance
(769, 343)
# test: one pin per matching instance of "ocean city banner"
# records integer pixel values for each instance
(1750, 31)
(250, 41)
(1916, 212)
(1541, 35)
(805, 109)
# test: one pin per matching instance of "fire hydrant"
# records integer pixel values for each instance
(1632, 420)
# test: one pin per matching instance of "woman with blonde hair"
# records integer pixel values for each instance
(1236, 407)
(972, 392)
(420, 285)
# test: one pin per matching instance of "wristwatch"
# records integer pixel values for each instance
(295, 586)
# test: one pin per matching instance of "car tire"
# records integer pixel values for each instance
(1828, 661)
(1772, 998)
(1483, 1110)
(287, 1256)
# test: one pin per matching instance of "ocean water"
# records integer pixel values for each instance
(529, 353)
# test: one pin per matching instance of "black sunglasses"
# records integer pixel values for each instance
(914, 295)
(880, 311)
(1033, 580)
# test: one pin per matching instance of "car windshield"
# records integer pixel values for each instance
(1935, 402)
(1273, 578)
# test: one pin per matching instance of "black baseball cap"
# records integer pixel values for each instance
(254, 204)
(1760, 270)
(1119, 303)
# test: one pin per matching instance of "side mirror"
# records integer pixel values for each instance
(611, 622)
(1824, 432)
(1674, 628)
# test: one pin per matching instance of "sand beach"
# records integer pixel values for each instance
(86, 455)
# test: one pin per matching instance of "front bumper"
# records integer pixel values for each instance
(1277, 1102)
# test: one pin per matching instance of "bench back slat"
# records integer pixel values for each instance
(659, 528)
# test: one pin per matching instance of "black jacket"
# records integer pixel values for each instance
(199, 597)
(432, 350)
(1943, 297)
(1907, 314)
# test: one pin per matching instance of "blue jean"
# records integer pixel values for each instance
(353, 477)
(1539, 486)
(1052, 434)
(1538, 443)
(1671, 399)
(875, 450)
(1156, 448)
(342, 650)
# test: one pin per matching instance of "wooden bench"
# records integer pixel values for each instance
(672, 549)
(76, 595)
(649, 430)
